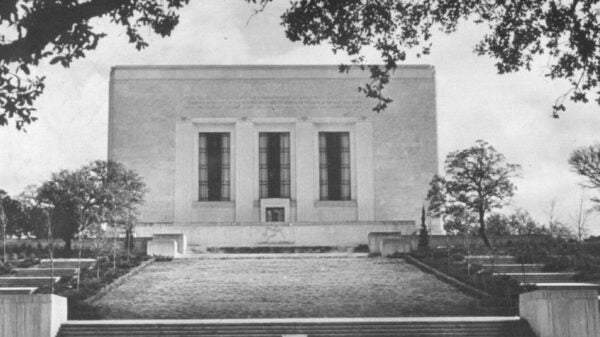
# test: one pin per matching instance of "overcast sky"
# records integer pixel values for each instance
(512, 112)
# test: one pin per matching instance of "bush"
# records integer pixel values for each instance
(5, 268)
(457, 257)
(163, 258)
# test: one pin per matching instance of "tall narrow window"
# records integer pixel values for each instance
(274, 164)
(214, 167)
(334, 166)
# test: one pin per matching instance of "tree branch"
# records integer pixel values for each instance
(57, 19)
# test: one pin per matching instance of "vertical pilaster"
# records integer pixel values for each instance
(305, 175)
(244, 171)
(184, 158)
(365, 192)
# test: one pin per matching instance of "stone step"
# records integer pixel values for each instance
(18, 290)
(45, 271)
(67, 263)
(489, 259)
(514, 268)
(416, 327)
(541, 277)
(26, 281)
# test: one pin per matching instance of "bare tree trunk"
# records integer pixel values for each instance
(482, 230)
(79, 259)
(114, 248)
(51, 248)
(3, 221)
(128, 245)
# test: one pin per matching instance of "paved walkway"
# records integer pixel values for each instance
(345, 286)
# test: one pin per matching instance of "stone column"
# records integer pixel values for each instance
(39, 315)
(364, 171)
(305, 175)
(244, 171)
(562, 310)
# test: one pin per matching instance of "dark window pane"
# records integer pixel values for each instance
(214, 166)
(274, 165)
(334, 166)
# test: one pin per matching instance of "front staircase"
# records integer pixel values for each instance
(363, 327)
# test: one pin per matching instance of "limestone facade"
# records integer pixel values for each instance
(158, 112)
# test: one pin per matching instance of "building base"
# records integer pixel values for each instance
(245, 234)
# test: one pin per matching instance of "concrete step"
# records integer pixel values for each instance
(67, 263)
(17, 290)
(27, 281)
(489, 259)
(376, 327)
(514, 268)
(541, 277)
(45, 271)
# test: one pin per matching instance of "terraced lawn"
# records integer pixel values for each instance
(285, 287)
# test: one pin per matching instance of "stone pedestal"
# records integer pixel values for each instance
(180, 238)
(562, 310)
(397, 245)
(39, 315)
(375, 239)
(162, 248)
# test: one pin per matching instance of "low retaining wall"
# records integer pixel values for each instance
(38, 315)
(562, 310)
(476, 241)
(342, 234)
(447, 278)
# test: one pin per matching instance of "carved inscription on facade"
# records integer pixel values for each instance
(262, 102)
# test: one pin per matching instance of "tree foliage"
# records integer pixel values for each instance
(477, 180)
(586, 162)
(61, 31)
(100, 192)
(23, 218)
(567, 32)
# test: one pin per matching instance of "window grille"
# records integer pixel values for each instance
(214, 166)
(274, 164)
(334, 166)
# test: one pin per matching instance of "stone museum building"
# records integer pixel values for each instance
(274, 155)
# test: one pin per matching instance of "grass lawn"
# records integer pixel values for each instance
(283, 287)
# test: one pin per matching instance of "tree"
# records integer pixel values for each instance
(586, 162)
(13, 215)
(477, 180)
(61, 31)
(498, 225)
(517, 31)
(100, 192)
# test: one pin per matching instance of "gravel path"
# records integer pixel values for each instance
(282, 287)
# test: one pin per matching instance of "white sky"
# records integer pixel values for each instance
(512, 112)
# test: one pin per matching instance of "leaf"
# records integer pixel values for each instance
(56, 59)
(25, 68)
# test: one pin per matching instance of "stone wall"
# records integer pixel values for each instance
(27, 315)
(157, 112)
(217, 234)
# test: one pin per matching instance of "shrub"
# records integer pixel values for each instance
(163, 258)
(457, 257)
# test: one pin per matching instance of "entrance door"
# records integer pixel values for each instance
(275, 214)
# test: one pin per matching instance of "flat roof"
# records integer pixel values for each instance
(201, 72)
